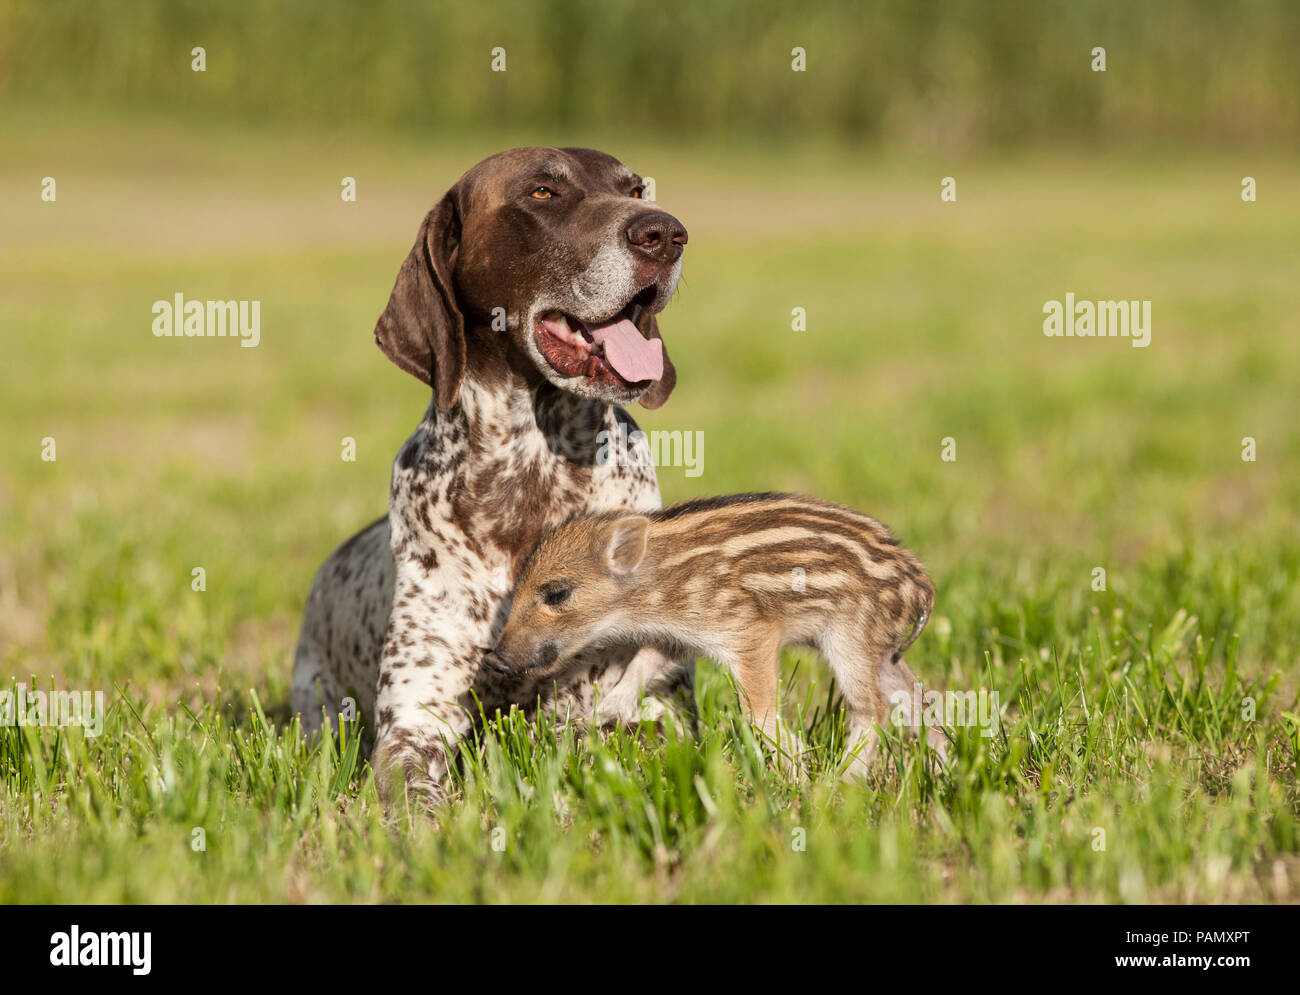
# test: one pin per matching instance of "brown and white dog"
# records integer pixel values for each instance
(528, 305)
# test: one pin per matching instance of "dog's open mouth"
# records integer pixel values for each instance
(611, 349)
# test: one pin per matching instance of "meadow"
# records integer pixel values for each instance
(1150, 746)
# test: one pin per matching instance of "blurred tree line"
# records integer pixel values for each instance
(960, 72)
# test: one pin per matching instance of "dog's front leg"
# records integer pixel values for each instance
(431, 654)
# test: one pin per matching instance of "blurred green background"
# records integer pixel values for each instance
(931, 73)
(818, 190)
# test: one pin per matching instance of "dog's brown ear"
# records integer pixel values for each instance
(661, 388)
(422, 329)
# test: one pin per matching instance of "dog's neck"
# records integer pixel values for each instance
(518, 415)
(503, 389)
(512, 460)
(509, 421)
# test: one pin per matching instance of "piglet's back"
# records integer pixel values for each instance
(769, 546)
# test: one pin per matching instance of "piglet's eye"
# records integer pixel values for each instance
(556, 594)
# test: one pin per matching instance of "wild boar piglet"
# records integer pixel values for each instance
(736, 579)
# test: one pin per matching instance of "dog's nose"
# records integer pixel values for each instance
(657, 234)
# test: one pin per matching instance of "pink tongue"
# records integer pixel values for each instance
(632, 356)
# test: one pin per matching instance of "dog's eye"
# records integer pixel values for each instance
(638, 192)
(556, 593)
(543, 193)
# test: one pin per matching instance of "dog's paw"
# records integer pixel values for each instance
(406, 779)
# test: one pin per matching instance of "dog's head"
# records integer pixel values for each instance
(555, 249)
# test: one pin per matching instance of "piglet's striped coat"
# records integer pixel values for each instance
(737, 579)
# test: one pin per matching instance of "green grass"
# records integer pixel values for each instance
(1162, 711)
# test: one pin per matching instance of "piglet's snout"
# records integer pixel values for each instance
(494, 661)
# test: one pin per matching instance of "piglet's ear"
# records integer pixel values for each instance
(627, 544)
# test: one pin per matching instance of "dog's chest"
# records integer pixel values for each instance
(479, 486)
(535, 480)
